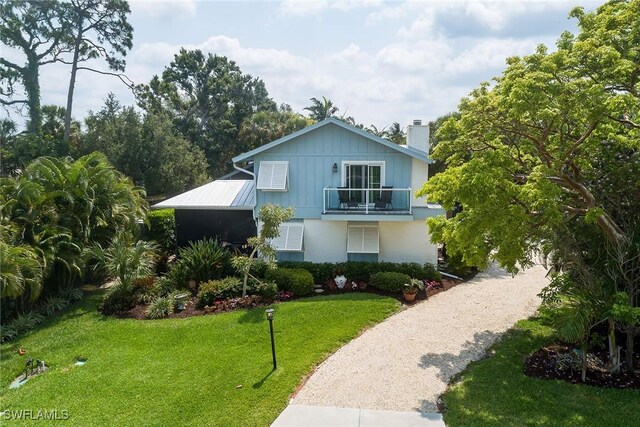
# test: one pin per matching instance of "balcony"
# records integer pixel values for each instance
(366, 201)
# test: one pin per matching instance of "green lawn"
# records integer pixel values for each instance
(495, 391)
(181, 371)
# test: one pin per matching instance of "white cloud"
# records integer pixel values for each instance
(164, 9)
(314, 7)
(424, 55)
(302, 7)
(488, 53)
(405, 65)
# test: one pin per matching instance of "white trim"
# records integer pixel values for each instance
(363, 239)
(273, 176)
(291, 237)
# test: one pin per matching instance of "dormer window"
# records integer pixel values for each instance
(273, 176)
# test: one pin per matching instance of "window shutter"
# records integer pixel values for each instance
(273, 176)
(291, 237)
(363, 239)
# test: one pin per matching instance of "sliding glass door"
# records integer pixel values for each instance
(363, 176)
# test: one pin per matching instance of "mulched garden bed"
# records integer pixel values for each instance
(543, 364)
(252, 301)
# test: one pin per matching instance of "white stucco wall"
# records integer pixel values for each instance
(419, 175)
(406, 242)
(325, 241)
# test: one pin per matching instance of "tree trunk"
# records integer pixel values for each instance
(32, 87)
(72, 84)
(247, 271)
(584, 348)
(614, 354)
(628, 359)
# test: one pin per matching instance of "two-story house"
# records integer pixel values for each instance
(353, 194)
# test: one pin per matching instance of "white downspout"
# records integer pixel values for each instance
(243, 170)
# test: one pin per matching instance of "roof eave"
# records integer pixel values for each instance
(417, 154)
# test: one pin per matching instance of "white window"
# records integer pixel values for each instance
(363, 239)
(291, 234)
(273, 176)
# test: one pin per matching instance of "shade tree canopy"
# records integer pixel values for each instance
(207, 97)
(547, 157)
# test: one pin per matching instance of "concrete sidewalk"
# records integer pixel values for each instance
(324, 416)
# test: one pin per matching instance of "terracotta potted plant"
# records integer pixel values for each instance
(411, 289)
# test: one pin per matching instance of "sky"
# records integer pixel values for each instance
(378, 61)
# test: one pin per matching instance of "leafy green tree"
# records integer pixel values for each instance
(321, 109)
(8, 164)
(97, 29)
(270, 217)
(148, 149)
(520, 157)
(207, 97)
(266, 126)
(35, 29)
(434, 139)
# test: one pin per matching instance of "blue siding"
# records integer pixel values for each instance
(362, 257)
(311, 157)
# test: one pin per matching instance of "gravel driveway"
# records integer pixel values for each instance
(406, 362)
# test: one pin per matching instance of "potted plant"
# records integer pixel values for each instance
(411, 289)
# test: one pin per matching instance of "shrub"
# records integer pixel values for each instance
(204, 260)
(250, 301)
(118, 299)
(431, 273)
(163, 287)
(231, 287)
(321, 272)
(144, 284)
(23, 322)
(72, 294)
(53, 304)
(296, 280)
(217, 290)
(160, 307)
(161, 229)
(389, 281)
(456, 265)
(259, 268)
(178, 276)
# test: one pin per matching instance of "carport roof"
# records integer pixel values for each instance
(220, 194)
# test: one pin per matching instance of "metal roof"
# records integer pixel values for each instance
(221, 194)
(420, 155)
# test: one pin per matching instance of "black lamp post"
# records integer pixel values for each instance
(269, 312)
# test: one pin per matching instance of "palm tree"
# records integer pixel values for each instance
(320, 110)
(381, 133)
(20, 271)
(396, 134)
(124, 260)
